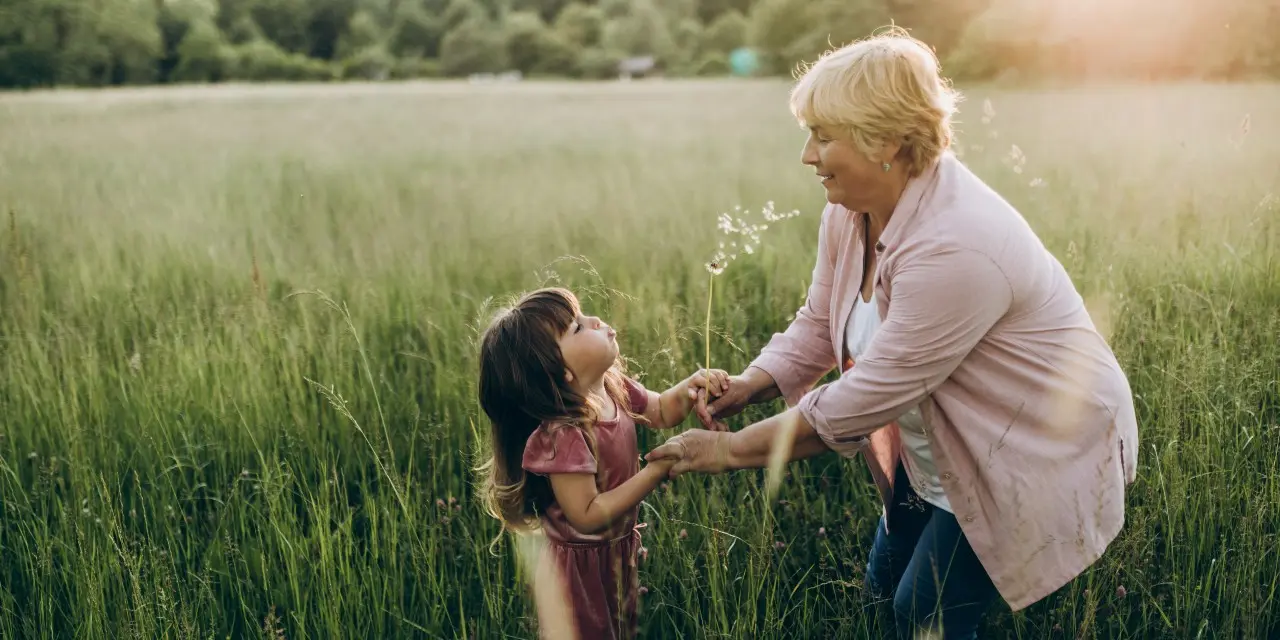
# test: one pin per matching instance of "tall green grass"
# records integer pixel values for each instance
(237, 372)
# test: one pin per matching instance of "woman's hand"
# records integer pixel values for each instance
(754, 385)
(694, 450)
(703, 384)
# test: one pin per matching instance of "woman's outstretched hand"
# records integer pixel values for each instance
(694, 450)
(729, 404)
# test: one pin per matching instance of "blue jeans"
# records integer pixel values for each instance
(928, 568)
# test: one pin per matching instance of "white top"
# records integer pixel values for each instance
(917, 456)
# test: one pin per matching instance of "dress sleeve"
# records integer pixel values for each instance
(558, 449)
(637, 395)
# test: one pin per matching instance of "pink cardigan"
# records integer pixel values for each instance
(1030, 417)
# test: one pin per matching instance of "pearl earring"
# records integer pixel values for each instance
(886, 167)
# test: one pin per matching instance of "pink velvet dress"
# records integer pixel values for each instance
(598, 572)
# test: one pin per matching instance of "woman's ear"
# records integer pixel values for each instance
(889, 152)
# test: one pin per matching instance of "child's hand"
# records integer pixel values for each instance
(714, 381)
(703, 384)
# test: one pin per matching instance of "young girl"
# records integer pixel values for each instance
(565, 458)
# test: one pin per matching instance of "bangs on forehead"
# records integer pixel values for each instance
(555, 308)
(815, 99)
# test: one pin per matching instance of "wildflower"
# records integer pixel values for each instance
(244, 473)
(439, 503)
(779, 544)
(85, 511)
(1121, 592)
(734, 225)
(32, 456)
(457, 507)
(444, 519)
(684, 534)
(644, 553)
(644, 591)
(822, 532)
(452, 500)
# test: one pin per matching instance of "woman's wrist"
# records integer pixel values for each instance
(760, 385)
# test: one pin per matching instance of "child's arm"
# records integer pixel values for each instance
(670, 408)
(591, 512)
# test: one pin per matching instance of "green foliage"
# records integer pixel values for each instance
(533, 48)
(202, 55)
(363, 32)
(475, 46)
(416, 34)
(642, 32)
(73, 42)
(726, 33)
(416, 68)
(597, 63)
(370, 63)
(714, 63)
(580, 25)
(261, 60)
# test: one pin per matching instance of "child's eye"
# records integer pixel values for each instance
(577, 327)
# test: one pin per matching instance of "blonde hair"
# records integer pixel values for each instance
(884, 88)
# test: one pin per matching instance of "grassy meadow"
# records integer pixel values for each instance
(237, 371)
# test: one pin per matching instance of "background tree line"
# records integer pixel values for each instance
(112, 42)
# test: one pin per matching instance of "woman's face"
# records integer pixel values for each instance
(851, 178)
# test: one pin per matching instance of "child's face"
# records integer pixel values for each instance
(589, 348)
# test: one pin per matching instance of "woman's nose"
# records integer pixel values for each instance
(808, 155)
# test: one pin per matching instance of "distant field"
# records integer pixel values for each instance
(170, 468)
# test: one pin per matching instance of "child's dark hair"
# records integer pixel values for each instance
(522, 386)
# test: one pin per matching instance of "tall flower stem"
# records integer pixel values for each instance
(711, 284)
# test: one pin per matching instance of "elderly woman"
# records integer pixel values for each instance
(996, 421)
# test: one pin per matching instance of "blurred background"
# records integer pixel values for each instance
(115, 42)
